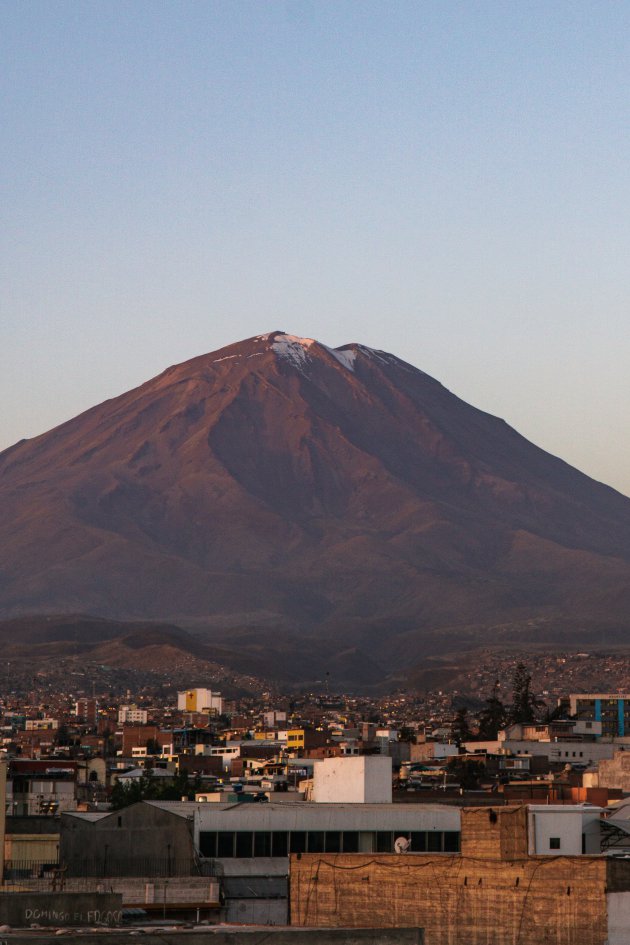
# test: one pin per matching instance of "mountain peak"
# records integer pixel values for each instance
(282, 480)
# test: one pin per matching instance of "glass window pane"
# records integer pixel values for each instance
(316, 841)
(225, 844)
(244, 844)
(279, 844)
(384, 842)
(298, 841)
(208, 843)
(262, 844)
(435, 841)
(418, 842)
(333, 841)
(350, 841)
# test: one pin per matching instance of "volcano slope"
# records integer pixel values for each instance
(281, 485)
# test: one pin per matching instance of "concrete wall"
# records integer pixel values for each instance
(564, 751)
(138, 891)
(257, 911)
(458, 900)
(244, 936)
(59, 909)
(566, 825)
(366, 779)
(615, 772)
(618, 918)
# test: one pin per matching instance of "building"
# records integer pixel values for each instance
(86, 710)
(493, 892)
(200, 700)
(564, 830)
(612, 709)
(363, 779)
(247, 844)
(132, 715)
(41, 787)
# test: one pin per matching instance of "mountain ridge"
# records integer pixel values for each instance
(280, 480)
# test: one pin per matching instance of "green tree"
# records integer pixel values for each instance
(525, 703)
(460, 727)
(493, 716)
(466, 771)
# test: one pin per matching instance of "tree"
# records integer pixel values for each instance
(525, 703)
(460, 727)
(466, 771)
(493, 716)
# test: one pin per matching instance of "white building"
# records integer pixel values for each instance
(364, 779)
(132, 715)
(200, 700)
(564, 829)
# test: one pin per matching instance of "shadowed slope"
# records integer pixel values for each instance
(279, 481)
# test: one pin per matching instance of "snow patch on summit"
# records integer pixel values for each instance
(345, 357)
(293, 349)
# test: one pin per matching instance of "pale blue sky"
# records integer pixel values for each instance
(448, 181)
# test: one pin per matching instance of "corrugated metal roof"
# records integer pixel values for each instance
(307, 816)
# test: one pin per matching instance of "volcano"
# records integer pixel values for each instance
(284, 485)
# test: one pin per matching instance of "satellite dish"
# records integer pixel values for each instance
(401, 845)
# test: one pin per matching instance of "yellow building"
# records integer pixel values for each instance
(295, 739)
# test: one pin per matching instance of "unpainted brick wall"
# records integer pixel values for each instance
(494, 833)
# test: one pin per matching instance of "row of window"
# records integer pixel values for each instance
(241, 843)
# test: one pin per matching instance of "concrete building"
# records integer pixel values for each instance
(144, 839)
(86, 710)
(132, 715)
(364, 779)
(564, 830)
(568, 752)
(37, 787)
(41, 725)
(493, 892)
(247, 844)
(200, 700)
(612, 709)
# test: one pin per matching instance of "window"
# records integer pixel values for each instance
(262, 843)
(225, 844)
(316, 841)
(350, 841)
(298, 841)
(279, 844)
(243, 844)
(208, 843)
(554, 843)
(384, 842)
(333, 841)
(435, 841)
(418, 842)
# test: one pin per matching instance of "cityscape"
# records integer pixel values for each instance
(314, 472)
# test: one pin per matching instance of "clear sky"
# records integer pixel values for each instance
(448, 181)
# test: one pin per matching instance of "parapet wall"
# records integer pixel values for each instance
(458, 900)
